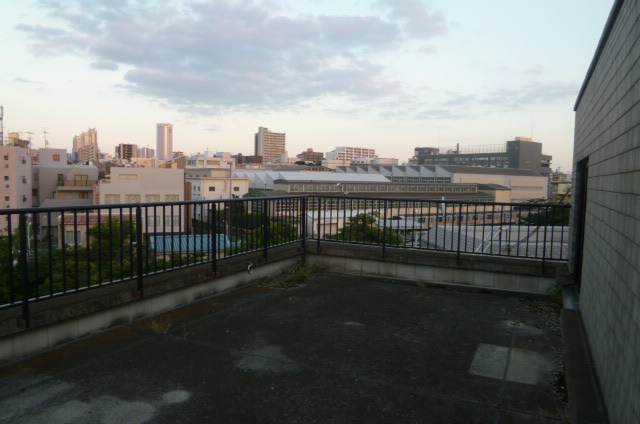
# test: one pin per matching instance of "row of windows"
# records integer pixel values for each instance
(380, 188)
(135, 198)
(23, 179)
(22, 158)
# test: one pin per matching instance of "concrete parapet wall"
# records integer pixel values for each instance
(65, 318)
(510, 274)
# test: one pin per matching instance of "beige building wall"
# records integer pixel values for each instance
(147, 185)
(65, 185)
(522, 188)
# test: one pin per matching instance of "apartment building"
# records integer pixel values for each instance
(269, 145)
(126, 151)
(146, 185)
(15, 183)
(211, 160)
(350, 153)
(215, 184)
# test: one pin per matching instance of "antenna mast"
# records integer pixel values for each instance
(1, 125)
(30, 137)
(46, 142)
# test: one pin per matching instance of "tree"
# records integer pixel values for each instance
(363, 228)
(545, 215)
(278, 233)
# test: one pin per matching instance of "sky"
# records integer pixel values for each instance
(387, 74)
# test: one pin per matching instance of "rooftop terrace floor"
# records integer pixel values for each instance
(342, 349)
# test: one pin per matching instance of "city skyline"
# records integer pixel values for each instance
(386, 75)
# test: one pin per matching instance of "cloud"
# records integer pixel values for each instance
(24, 81)
(231, 54)
(105, 66)
(530, 93)
(416, 20)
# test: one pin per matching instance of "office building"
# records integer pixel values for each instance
(269, 145)
(520, 153)
(164, 141)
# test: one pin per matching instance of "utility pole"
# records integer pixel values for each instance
(46, 142)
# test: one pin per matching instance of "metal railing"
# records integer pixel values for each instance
(47, 252)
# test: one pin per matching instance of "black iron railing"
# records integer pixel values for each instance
(47, 252)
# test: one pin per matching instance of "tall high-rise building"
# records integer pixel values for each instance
(85, 147)
(146, 152)
(269, 145)
(164, 141)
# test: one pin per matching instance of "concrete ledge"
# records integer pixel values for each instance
(586, 404)
(64, 318)
(492, 272)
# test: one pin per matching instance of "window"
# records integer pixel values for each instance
(128, 176)
(236, 189)
(24, 180)
(171, 198)
(212, 189)
(56, 158)
(111, 198)
(153, 198)
(70, 239)
(6, 178)
(6, 157)
(81, 177)
(6, 198)
(132, 198)
(84, 195)
(170, 221)
(24, 161)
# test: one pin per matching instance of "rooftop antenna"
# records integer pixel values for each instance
(531, 128)
(45, 132)
(1, 125)
(30, 137)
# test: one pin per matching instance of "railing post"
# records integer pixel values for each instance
(265, 228)
(24, 272)
(384, 230)
(303, 227)
(544, 242)
(459, 230)
(140, 268)
(319, 200)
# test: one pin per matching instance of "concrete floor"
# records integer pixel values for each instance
(341, 349)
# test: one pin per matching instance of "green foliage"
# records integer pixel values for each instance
(546, 216)
(363, 228)
(555, 291)
(278, 233)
